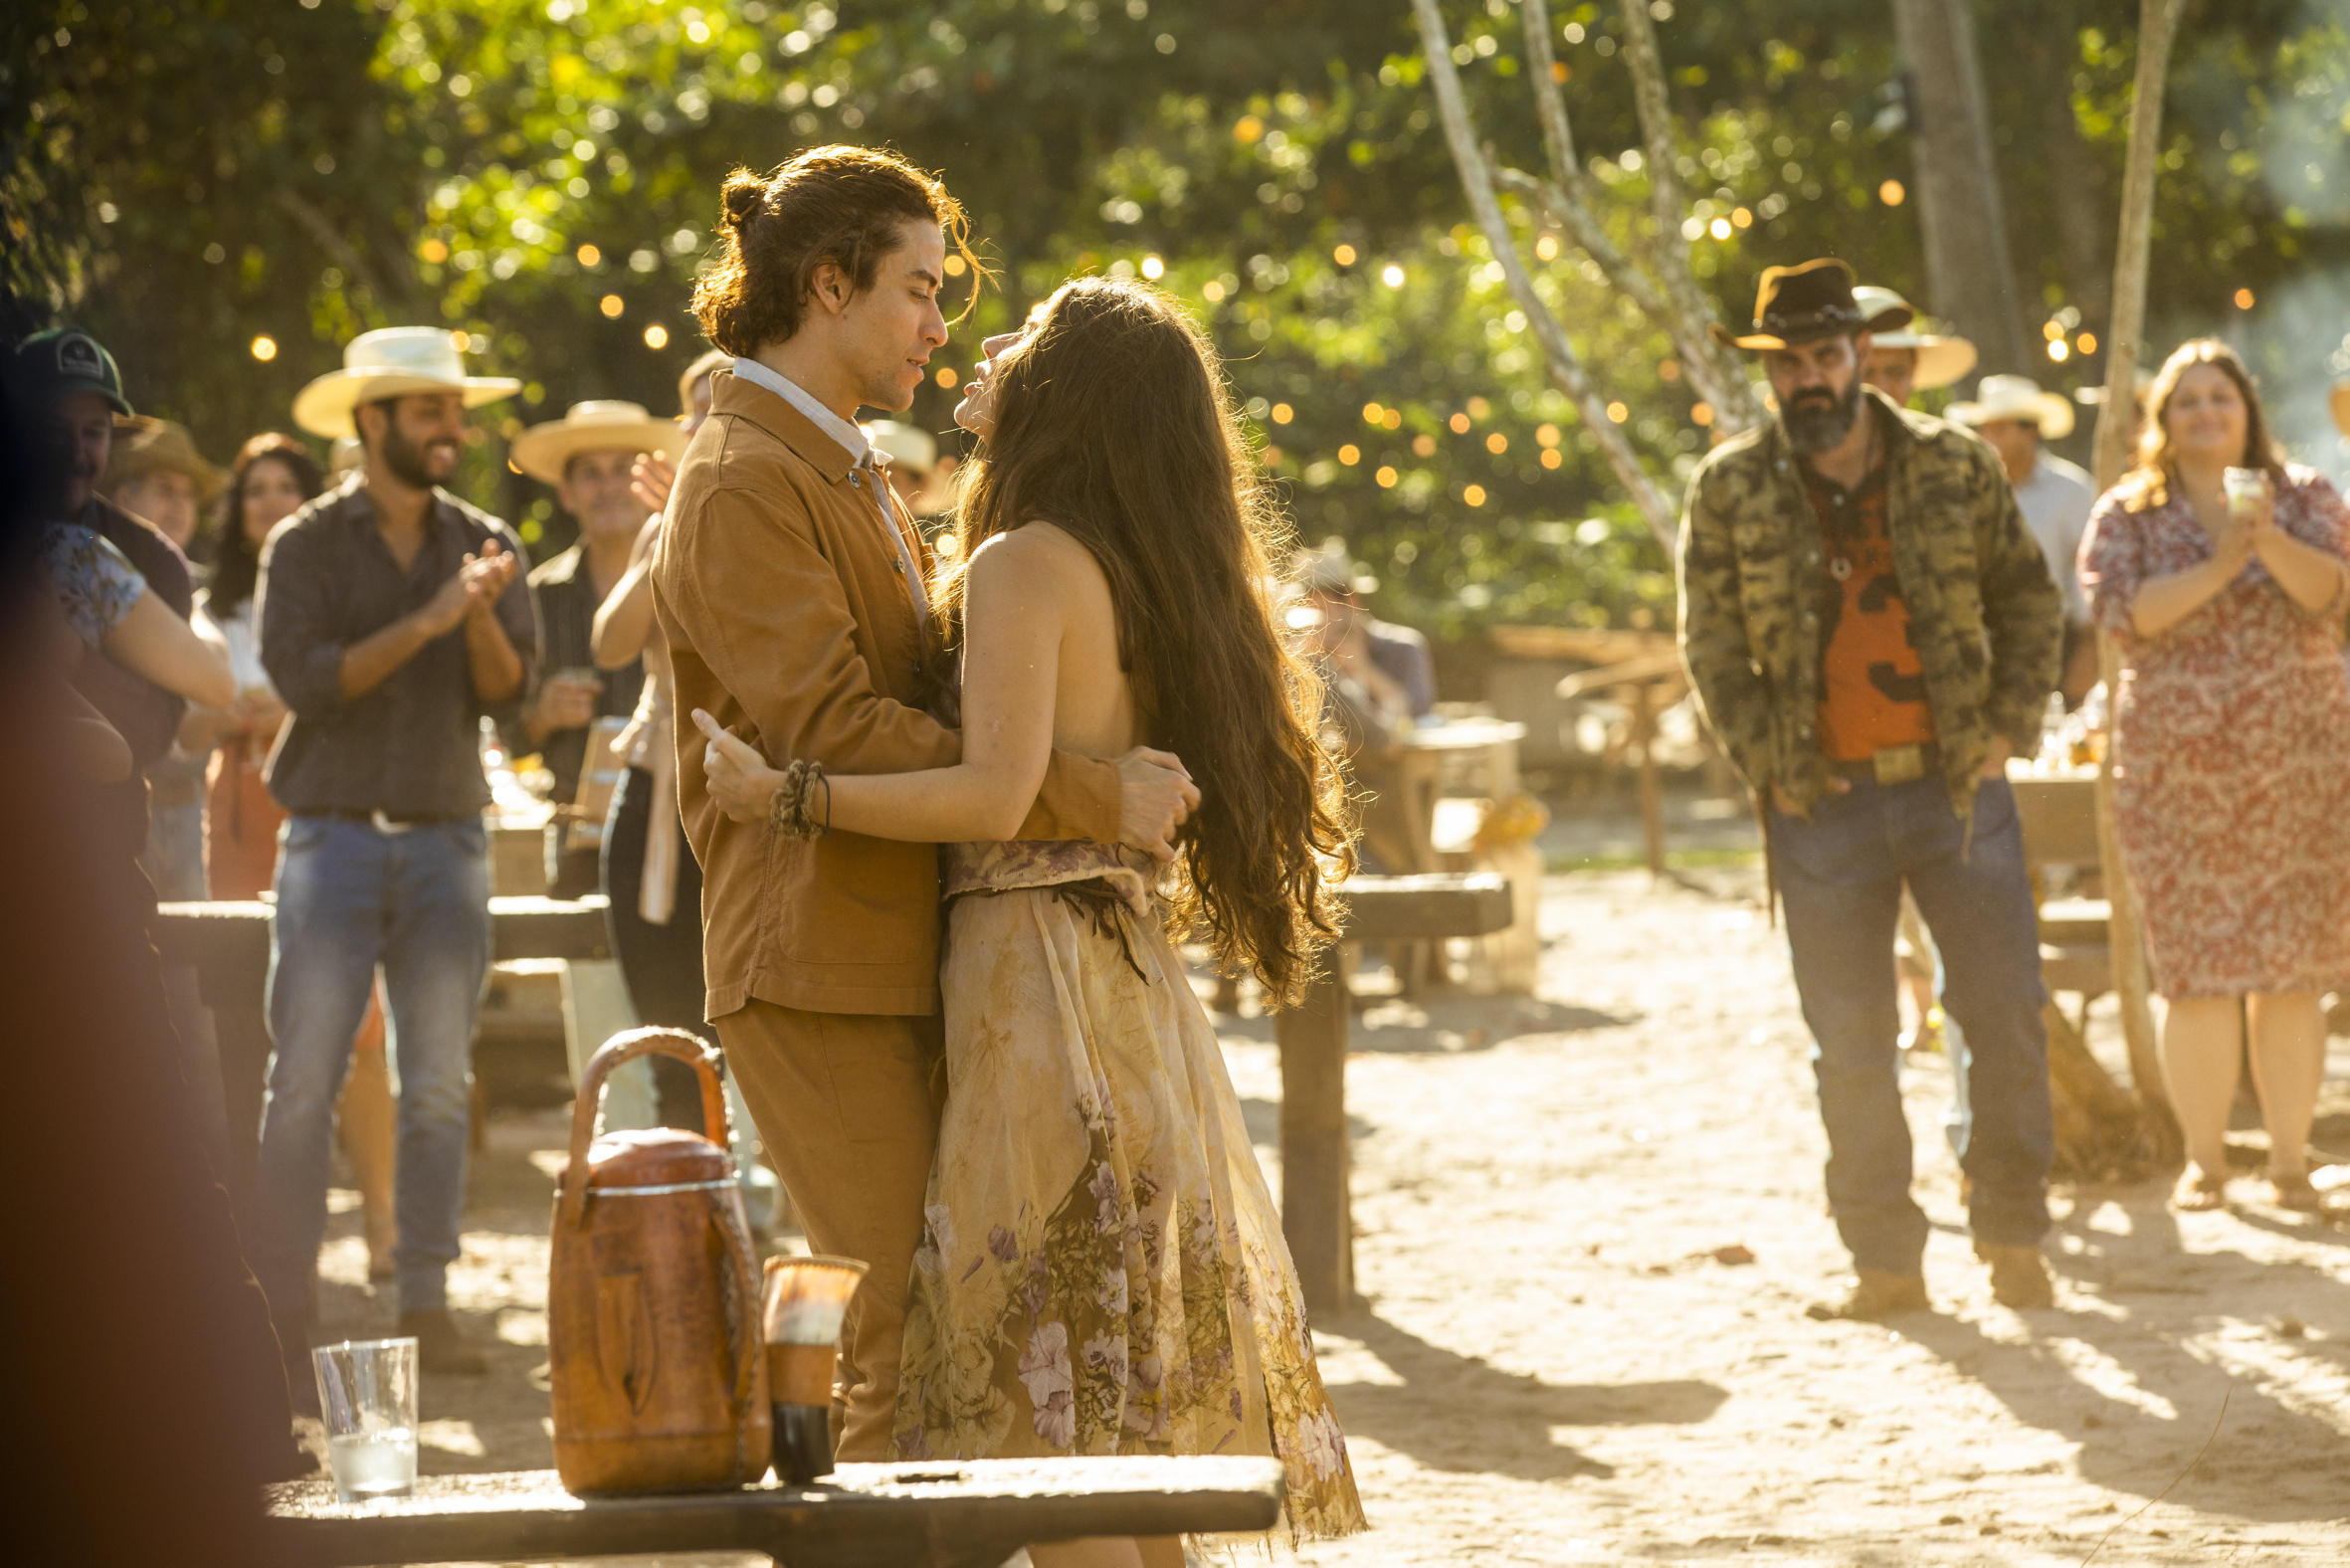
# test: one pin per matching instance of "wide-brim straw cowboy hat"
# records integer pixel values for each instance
(1802, 304)
(2018, 398)
(600, 425)
(1941, 358)
(146, 445)
(2342, 406)
(392, 362)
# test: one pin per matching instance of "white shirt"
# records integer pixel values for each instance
(844, 431)
(2055, 501)
(867, 476)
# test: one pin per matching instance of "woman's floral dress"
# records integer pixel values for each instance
(1103, 1270)
(2230, 753)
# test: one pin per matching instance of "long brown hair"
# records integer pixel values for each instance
(236, 560)
(2149, 482)
(844, 205)
(1113, 423)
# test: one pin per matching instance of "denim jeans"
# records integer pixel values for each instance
(350, 897)
(1840, 873)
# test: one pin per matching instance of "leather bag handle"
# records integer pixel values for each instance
(620, 1049)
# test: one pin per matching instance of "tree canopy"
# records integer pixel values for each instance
(226, 192)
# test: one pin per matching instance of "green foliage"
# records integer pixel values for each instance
(187, 176)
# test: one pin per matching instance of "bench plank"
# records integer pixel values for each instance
(1317, 1211)
(952, 1515)
(234, 933)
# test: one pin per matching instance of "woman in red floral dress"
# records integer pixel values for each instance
(2231, 754)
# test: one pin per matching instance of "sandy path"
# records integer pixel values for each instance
(1551, 1367)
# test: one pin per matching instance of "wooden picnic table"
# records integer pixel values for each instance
(1317, 1216)
(971, 1515)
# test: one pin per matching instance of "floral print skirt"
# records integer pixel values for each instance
(1103, 1270)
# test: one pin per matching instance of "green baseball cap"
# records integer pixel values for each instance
(63, 360)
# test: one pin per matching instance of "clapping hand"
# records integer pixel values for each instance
(651, 478)
(487, 575)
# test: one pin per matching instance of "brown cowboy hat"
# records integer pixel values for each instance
(146, 445)
(1804, 304)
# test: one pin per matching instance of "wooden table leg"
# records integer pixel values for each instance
(1316, 1217)
(1651, 800)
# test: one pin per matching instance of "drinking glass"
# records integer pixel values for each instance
(2243, 488)
(367, 1393)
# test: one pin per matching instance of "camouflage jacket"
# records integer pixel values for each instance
(1984, 614)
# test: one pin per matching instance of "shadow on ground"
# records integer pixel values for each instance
(2142, 1299)
(1449, 1407)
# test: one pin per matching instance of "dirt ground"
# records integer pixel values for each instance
(1552, 1365)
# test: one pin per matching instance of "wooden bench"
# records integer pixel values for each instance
(1316, 1210)
(2059, 818)
(952, 1515)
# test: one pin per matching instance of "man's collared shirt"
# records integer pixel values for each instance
(866, 478)
(563, 591)
(2056, 500)
(410, 745)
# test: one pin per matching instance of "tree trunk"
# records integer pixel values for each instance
(1969, 280)
(2158, 28)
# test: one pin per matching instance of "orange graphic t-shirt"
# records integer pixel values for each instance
(1872, 690)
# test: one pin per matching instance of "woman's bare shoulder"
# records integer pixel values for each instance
(1041, 549)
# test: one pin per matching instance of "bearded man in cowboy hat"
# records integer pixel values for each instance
(2016, 417)
(1902, 360)
(587, 455)
(391, 619)
(1872, 633)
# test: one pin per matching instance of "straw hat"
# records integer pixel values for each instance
(388, 363)
(601, 425)
(2342, 406)
(914, 450)
(1802, 304)
(146, 445)
(1940, 360)
(2020, 398)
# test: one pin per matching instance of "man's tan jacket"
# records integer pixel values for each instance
(779, 593)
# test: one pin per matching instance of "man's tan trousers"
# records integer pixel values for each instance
(848, 1107)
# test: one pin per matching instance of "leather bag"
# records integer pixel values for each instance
(654, 1344)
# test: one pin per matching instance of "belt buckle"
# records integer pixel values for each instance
(1898, 764)
(386, 824)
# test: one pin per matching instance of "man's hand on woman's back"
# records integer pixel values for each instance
(1155, 797)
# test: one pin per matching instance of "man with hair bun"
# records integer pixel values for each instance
(790, 590)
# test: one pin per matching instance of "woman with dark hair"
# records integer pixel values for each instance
(1103, 1270)
(2219, 569)
(273, 476)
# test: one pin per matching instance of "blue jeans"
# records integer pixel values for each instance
(348, 898)
(1839, 877)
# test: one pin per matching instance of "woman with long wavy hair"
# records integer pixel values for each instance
(1103, 1270)
(2230, 753)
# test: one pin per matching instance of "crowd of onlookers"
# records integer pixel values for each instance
(281, 681)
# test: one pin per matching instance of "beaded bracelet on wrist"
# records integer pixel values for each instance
(791, 811)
